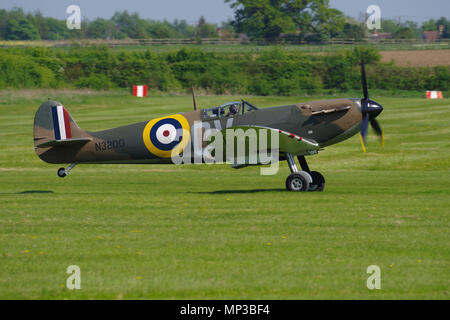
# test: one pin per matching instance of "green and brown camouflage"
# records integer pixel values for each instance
(323, 122)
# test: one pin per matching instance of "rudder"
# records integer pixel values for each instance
(54, 126)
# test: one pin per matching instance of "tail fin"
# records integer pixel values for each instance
(54, 126)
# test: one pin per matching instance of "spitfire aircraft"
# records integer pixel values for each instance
(303, 129)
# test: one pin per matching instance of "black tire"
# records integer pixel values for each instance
(318, 183)
(62, 172)
(297, 182)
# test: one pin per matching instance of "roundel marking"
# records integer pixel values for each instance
(168, 136)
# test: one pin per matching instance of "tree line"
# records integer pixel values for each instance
(303, 20)
(18, 25)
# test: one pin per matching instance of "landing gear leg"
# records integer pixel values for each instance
(297, 180)
(318, 181)
(62, 172)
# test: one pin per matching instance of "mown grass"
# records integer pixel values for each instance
(210, 232)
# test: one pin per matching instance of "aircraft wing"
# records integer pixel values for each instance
(288, 142)
(296, 145)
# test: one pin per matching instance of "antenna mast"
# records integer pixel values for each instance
(193, 99)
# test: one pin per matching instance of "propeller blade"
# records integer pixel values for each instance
(365, 126)
(364, 80)
(378, 131)
(376, 127)
(364, 129)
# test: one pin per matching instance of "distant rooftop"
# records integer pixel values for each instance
(431, 35)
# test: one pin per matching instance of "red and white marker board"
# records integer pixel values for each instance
(434, 95)
(140, 91)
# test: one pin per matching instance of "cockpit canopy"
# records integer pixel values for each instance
(229, 109)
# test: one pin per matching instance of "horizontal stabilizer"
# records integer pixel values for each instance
(65, 142)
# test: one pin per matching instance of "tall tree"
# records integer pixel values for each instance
(403, 33)
(3, 23)
(161, 30)
(21, 29)
(131, 25)
(353, 30)
(57, 29)
(270, 18)
(429, 25)
(444, 27)
(184, 29)
(101, 29)
(206, 30)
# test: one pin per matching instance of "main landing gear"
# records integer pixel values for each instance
(62, 172)
(305, 180)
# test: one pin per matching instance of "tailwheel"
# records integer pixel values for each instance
(318, 181)
(298, 182)
(62, 172)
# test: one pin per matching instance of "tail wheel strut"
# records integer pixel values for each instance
(62, 172)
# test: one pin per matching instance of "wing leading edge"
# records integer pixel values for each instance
(287, 142)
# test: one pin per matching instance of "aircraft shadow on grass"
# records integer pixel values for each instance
(239, 191)
(35, 192)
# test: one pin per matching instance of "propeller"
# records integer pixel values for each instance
(370, 110)
(194, 100)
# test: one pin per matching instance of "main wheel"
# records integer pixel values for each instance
(318, 183)
(297, 182)
(62, 173)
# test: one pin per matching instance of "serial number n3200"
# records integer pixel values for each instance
(110, 144)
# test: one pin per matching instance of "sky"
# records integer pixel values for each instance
(217, 11)
(415, 10)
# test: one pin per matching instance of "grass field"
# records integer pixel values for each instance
(210, 232)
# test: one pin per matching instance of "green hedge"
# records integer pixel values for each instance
(272, 72)
(24, 72)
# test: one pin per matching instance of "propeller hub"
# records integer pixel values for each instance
(370, 108)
